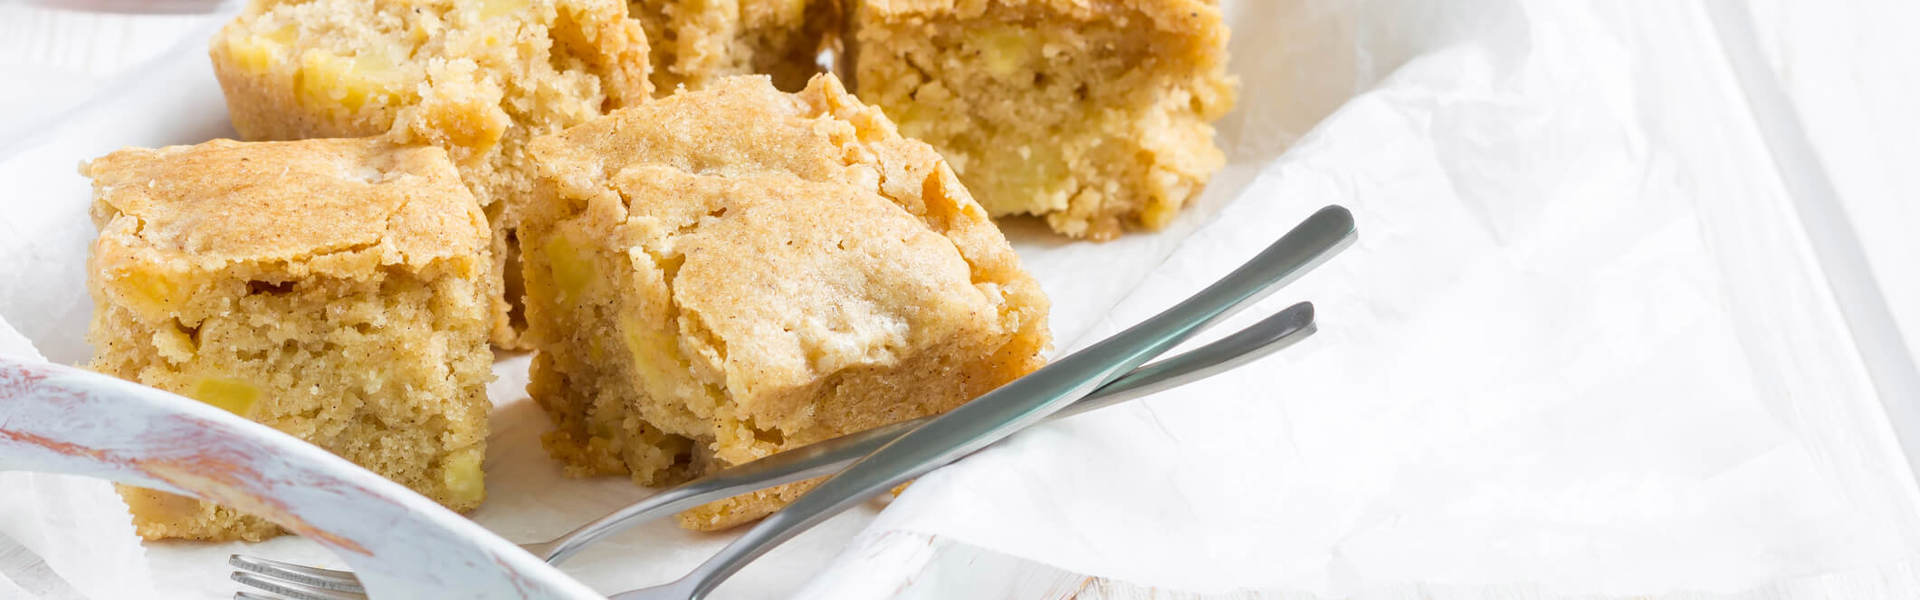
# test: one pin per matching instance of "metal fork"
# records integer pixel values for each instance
(1018, 405)
(1256, 341)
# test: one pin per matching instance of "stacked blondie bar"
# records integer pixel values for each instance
(715, 251)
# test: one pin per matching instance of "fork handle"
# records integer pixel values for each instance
(1026, 401)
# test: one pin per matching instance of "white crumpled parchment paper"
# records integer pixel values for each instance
(1587, 345)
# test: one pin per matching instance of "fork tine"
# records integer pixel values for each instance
(293, 590)
(326, 579)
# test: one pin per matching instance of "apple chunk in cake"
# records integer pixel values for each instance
(476, 78)
(1095, 114)
(331, 289)
(724, 274)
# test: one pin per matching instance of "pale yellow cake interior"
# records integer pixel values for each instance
(698, 41)
(331, 289)
(724, 274)
(1093, 114)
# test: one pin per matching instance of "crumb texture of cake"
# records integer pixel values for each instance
(723, 274)
(332, 289)
(476, 78)
(1095, 114)
(695, 42)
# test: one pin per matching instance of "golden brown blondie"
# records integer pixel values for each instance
(332, 289)
(477, 78)
(1093, 113)
(724, 274)
(697, 41)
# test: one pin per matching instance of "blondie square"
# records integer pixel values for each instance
(697, 41)
(1095, 114)
(332, 289)
(477, 78)
(724, 274)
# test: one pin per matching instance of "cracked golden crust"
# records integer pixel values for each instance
(326, 205)
(798, 173)
(787, 266)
